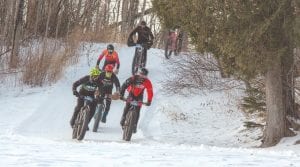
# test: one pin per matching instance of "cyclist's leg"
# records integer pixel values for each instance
(137, 118)
(107, 107)
(80, 103)
(92, 110)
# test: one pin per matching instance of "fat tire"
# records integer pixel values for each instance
(135, 65)
(84, 121)
(75, 127)
(168, 52)
(129, 125)
(98, 116)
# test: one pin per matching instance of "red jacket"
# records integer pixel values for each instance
(136, 85)
(109, 58)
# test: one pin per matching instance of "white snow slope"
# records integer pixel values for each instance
(198, 130)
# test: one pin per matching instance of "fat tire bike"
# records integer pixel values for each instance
(139, 59)
(82, 119)
(98, 114)
(173, 45)
(130, 119)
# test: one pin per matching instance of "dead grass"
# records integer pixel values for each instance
(42, 61)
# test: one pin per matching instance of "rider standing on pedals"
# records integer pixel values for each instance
(106, 80)
(89, 85)
(111, 57)
(145, 36)
(136, 85)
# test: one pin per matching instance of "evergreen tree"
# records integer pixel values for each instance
(248, 38)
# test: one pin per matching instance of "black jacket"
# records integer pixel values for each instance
(144, 34)
(88, 87)
(106, 84)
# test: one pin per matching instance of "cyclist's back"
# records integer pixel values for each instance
(145, 35)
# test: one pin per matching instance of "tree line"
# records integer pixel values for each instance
(100, 20)
(250, 40)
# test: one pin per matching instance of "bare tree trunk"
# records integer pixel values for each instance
(37, 17)
(17, 35)
(97, 22)
(117, 19)
(78, 10)
(143, 9)
(275, 127)
(11, 6)
(124, 16)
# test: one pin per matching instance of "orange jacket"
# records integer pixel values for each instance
(109, 58)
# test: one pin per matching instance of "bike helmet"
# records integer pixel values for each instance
(109, 68)
(143, 23)
(94, 72)
(143, 71)
(110, 48)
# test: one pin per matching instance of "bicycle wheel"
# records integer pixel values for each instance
(84, 121)
(179, 46)
(135, 63)
(168, 51)
(143, 57)
(97, 117)
(129, 125)
(75, 127)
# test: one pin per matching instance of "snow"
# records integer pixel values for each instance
(204, 129)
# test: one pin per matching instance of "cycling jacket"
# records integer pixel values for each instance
(109, 58)
(136, 85)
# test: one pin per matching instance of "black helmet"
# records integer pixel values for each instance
(143, 23)
(143, 71)
(110, 48)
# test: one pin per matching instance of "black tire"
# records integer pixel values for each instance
(179, 46)
(84, 121)
(97, 117)
(129, 125)
(135, 63)
(168, 51)
(75, 127)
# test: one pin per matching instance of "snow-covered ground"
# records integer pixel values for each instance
(197, 130)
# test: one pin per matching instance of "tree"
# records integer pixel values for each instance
(17, 35)
(248, 38)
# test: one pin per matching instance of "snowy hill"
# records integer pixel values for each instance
(199, 130)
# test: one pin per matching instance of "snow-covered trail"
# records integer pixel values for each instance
(201, 130)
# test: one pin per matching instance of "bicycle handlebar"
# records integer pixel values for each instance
(89, 98)
(134, 102)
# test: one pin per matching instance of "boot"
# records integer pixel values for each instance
(134, 129)
(122, 121)
(72, 121)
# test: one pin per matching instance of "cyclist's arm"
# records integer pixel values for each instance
(117, 61)
(149, 89)
(100, 58)
(151, 35)
(125, 86)
(80, 81)
(133, 32)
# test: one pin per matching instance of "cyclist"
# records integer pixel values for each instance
(106, 80)
(89, 85)
(175, 39)
(135, 86)
(111, 57)
(145, 36)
